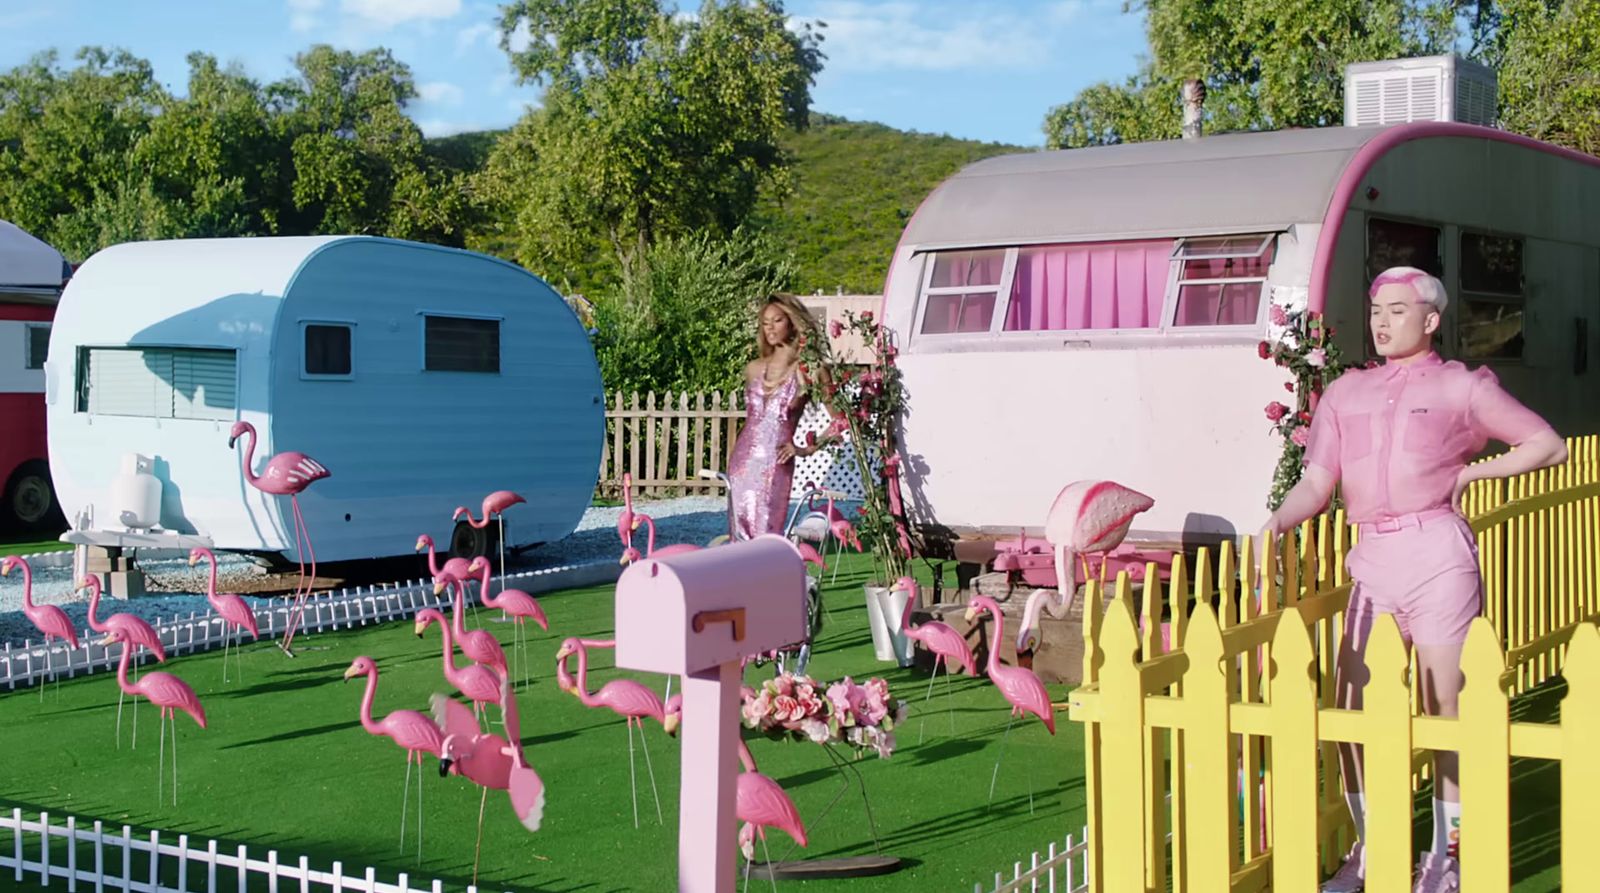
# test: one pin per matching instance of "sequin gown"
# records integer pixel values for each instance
(759, 484)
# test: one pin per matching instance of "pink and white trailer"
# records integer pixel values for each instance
(1096, 313)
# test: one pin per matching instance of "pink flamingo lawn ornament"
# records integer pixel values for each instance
(135, 631)
(480, 684)
(844, 533)
(414, 733)
(478, 644)
(518, 605)
(947, 645)
(286, 474)
(1087, 517)
(495, 504)
(48, 619)
(761, 803)
(167, 692)
(628, 520)
(237, 618)
(490, 761)
(457, 567)
(630, 554)
(1018, 685)
(625, 697)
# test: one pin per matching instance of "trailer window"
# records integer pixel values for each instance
(1395, 243)
(38, 345)
(1101, 285)
(460, 344)
(157, 382)
(1490, 319)
(328, 350)
(1221, 279)
(962, 290)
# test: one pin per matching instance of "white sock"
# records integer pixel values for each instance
(1446, 828)
(1358, 811)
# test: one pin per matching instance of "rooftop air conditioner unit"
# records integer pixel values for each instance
(1427, 88)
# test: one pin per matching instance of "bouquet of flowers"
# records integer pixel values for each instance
(1301, 342)
(844, 712)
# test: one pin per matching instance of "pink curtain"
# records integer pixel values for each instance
(1103, 285)
(1233, 304)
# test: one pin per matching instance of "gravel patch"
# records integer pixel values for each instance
(179, 589)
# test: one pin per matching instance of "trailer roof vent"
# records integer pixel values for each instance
(1426, 88)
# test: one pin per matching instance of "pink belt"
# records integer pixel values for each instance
(1400, 522)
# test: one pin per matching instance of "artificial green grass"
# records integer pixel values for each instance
(285, 765)
(29, 546)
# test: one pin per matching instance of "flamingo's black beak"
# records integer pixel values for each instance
(444, 767)
(230, 442)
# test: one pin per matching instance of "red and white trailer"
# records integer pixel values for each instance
(31, 275)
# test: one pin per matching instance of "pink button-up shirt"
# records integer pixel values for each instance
(1397, 436)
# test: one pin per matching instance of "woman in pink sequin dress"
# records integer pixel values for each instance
(762, 470)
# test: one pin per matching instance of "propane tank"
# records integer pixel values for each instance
(136, 493)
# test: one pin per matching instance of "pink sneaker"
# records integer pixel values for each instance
(1350, 878)
(1437, 874)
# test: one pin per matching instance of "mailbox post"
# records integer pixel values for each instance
(697, 614)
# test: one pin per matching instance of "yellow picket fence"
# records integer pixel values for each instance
(1212, 766)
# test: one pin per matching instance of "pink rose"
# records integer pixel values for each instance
(1317, 357)
(1279, 318)
(786, 709)
(866, 315)
(1289, 386)
(1301, 436)
(835, 329)
(1276, 410)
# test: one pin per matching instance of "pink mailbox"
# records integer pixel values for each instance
(698, 613)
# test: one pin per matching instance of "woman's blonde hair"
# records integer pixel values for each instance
(800, 322)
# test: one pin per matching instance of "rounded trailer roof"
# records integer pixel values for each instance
(1226, 183)
(27, 262)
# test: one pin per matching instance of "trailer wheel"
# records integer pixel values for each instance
(30, 499)
(470, 542)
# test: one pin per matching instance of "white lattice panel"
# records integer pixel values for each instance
(820, 467)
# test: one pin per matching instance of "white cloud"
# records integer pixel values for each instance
(482, 33)
(302, 15)
(440, 93)
(899, 35)
(431, 127)
(389, 13)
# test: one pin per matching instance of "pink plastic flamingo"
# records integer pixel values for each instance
(626, 520)
(947, 645)
(286, 474)
(135, 631)
(495, 504)
(1019, 685)
(414, 733)
(761, 803)
(490, 761)
(518, 605)
(455, 566)
(480, 684)
(844, 533)
(167, 692)
(1087, 517)
(478, 644)
(625, 697)
(237, 618)
(630, 554)
(48, 619)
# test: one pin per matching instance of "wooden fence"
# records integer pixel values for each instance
(1215, 760)
(93, 859)
(664, 440)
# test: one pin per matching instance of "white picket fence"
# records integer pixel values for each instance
(1060, 869)
(121, 861)
(344, 609)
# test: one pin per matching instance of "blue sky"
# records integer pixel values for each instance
(986, 71)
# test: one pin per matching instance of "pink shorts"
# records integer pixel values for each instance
(1423, 569)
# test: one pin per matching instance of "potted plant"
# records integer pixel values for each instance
(865, 403)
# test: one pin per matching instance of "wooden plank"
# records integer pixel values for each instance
(716, 432)
(635, 468)
(685, 472)
(699, 442)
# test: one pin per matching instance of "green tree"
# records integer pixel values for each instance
(653, 125)
(357, 160)
(1549, 73)
(684, 319)
(1266, 64)
(66, 144)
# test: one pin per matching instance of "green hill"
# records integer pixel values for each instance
(856, 185)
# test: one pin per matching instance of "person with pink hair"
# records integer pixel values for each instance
(1397, 438)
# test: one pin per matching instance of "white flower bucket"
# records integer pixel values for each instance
(884, 610)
